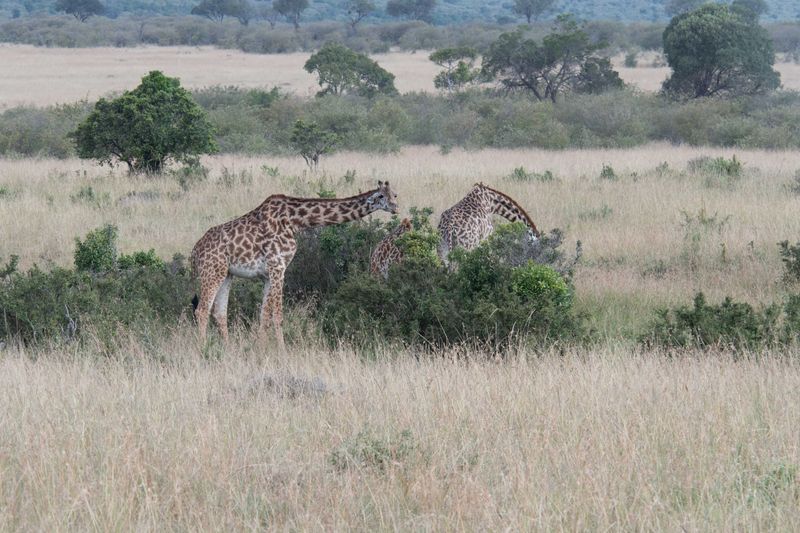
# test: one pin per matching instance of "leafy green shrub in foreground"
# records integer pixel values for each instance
(731, 325)
(495, 296)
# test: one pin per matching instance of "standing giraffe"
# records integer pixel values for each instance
(261, 244)
(387, 252)
(469, 221)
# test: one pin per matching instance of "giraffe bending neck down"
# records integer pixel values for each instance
(261, 244)
(387, 252)
(469, 221)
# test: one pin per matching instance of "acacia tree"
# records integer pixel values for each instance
(565, 60)
(311, 141)
(341, 70)
(217, 10)
(291, 9)
(145, 128)
(357, 10)
(532, 9)
(458, 64)
(80, 9)
(413, 9)
(715, 50)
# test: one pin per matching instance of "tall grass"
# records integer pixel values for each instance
(162, 437)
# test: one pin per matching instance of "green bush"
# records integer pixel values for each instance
(790, 255)
(730, 325)
(498, 295)
(98, 251)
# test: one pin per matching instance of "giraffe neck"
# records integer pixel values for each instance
(507, 208)
(312, 212)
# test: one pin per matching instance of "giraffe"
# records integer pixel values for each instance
(261, 244)
(387, 253)
(469, 222)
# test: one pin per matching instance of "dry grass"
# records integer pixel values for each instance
(44, 76)
(637, 255)
(582, 441)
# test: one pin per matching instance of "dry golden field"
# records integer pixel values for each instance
(162, 439)
(43, 76)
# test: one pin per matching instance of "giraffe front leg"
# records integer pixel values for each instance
(266, 313)
(276, 304)
(209, 288)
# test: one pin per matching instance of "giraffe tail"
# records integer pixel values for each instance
(195, 301)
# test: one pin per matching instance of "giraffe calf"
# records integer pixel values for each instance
(387, 252)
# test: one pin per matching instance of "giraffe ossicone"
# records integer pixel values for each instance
(261, 244)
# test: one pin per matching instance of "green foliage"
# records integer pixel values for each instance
(310, 141)
(564, 61)
(217, 10)
(730, 325)
(80, 9)
(357, 10)
(412, 9)
(532, 9)
(520, 174)
(608, 173)
(98, 251)
(714, 50)
(291, 9)
(140, 259)
(631, 60)
(367, 450)
(146, 127)
(458, 64)
(790, 255)
(341, 70)
(496, 296)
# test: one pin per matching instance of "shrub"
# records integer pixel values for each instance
(498, 296)
(98, 251)
(732, 325)
(790, 255)
(367, 450)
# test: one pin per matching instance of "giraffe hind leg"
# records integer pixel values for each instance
(209, 287)
(220, 308)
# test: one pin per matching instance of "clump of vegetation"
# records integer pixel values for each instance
(166, 125)
(368, 450)
(729, 325)
(520, 174)
(311, 142)
(608, 173)
(790, 255)
(716, 50)
(343, 71)
(498, 295)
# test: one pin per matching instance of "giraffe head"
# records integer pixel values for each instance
(384, 198)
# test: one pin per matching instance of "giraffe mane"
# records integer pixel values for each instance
(301, 199)
(515, 204)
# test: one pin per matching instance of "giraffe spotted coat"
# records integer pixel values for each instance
(387, 252)
(261, 244)
(469, 222)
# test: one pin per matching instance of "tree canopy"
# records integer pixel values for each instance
(565, 60)
(532, 9)
(146, 127)
(413, 9)
(80, 9)
(291, 9)
(458, 64)
(217, 10)
(357, 10)
(341, 70)
(716, 50)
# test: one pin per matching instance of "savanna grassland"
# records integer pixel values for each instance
(45, 76)
(163, 434)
